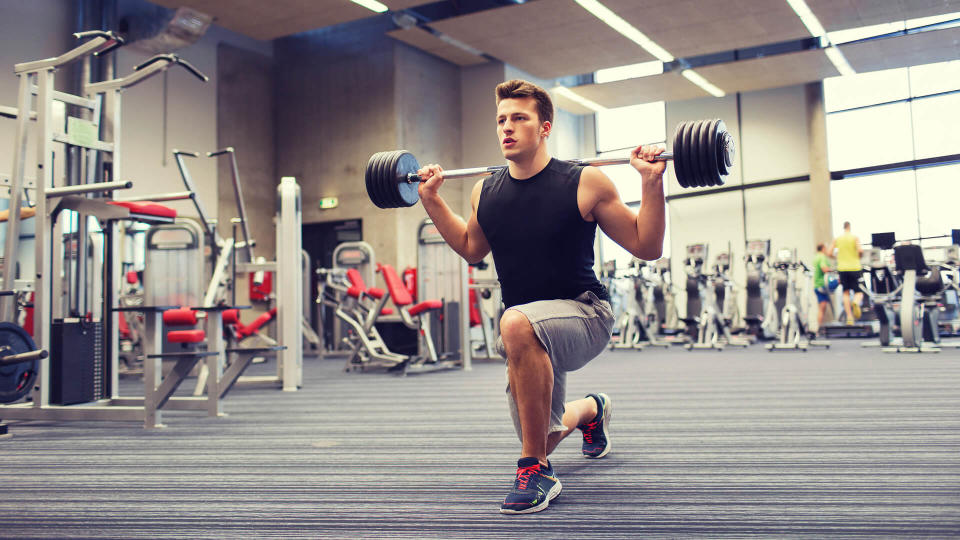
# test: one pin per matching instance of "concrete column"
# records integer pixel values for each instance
(821, 217)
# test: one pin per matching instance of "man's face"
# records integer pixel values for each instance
(519, 128)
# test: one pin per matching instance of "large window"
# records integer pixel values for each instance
(895, 116)
(628, 127)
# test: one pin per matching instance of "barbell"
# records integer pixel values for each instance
(703, 152)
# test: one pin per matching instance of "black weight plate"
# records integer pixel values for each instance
(726, 149)
(383, 182)
(689, 155)
(681, 159)
(716, 143)
(704, 152)
(407, 164)
(388, 179)
(677, 141)
(693, 155)
(372, 180)
(367, 175)
(708, 154)
(16, 380)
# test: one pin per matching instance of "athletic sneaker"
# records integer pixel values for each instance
(534, 488)
(596, 442)
(856, 311)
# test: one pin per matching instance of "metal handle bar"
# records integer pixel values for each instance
(226, 150)
(485, 171)
(28, 356)
(114, 39)
(83, 189)
(174, 59)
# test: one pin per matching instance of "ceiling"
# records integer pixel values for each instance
(558, 38)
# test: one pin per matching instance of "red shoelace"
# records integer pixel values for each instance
(588, 431)
(524, 474)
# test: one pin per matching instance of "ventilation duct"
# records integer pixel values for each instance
(160, 30)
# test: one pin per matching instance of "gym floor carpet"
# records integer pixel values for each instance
(742, 443)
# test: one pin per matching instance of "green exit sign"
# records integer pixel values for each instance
(327, 203)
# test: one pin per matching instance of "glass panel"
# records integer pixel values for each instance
(935, 78)
(938, 190)
(935, 121)
(865, 89)
(877, 203)
(872, 136)
(628, 127)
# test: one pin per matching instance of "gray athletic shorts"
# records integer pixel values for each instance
(573, 332)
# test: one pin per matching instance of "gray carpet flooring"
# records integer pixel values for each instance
(822, 444)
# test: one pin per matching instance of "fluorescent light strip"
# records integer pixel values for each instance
(372, 5)
(698, 80)
(816, 29)
(807, 17)
(628, 30)
(839, 61)
(632, 71)
(573, 96)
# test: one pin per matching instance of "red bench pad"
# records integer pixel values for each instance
(146, 208)
(186, 336)
(180, 317)
(425, 306)
(257, 324)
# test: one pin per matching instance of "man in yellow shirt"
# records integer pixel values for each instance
(848, 266)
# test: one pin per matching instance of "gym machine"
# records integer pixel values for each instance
(665, 303)
(349, 255)
(638, 324)
(921, 295)
(486, 291)
(761, 317)
(713, 332)
(793, 333)
(443, 275)
(84, 347)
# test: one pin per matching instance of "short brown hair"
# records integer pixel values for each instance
(517, 88)
(820, 246)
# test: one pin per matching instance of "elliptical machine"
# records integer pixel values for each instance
(794, 333)
(713, 332)
(920, 294)
(761, 316)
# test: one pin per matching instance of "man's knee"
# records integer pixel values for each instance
(514, 326)
(516, 330)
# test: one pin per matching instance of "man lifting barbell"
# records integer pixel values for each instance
(539, 217)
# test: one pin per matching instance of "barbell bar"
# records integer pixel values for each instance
(703, 152)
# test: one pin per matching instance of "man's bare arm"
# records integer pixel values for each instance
(641, 233)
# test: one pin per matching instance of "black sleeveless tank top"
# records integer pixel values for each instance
(542, 247)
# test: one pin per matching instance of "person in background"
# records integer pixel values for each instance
(821, 267)
(848, 249)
